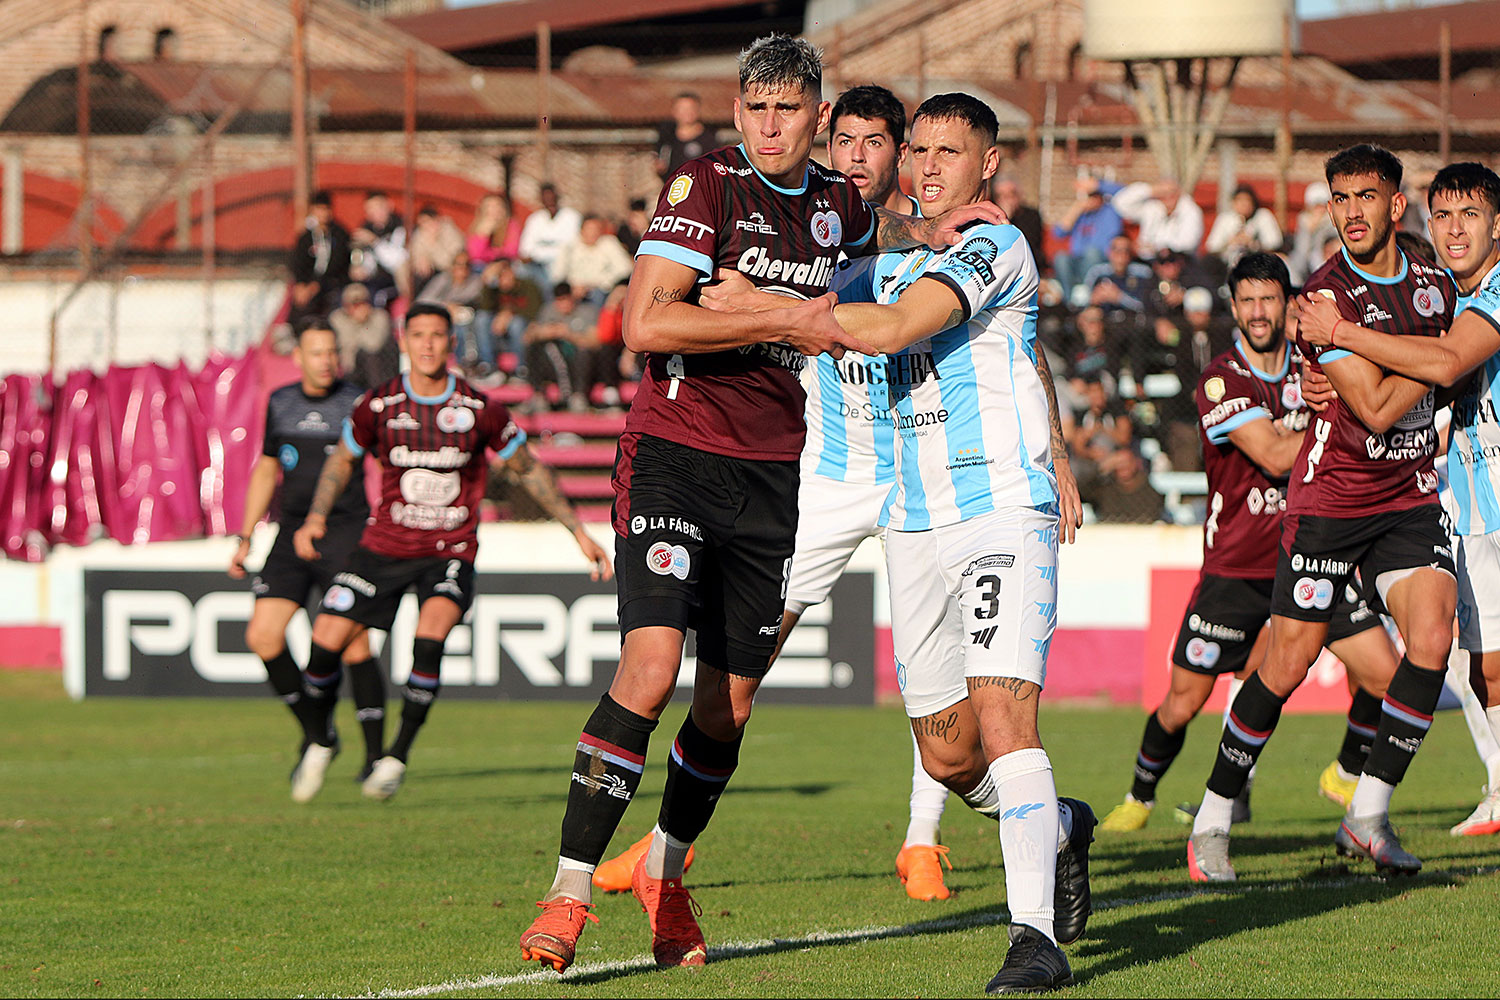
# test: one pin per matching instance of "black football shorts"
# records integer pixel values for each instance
(704, 541)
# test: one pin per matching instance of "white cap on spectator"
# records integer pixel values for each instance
(1317, 193)
(1198, 300)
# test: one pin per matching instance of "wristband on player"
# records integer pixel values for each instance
(1333, 334)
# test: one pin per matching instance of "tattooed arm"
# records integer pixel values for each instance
(894, 231)
(1070, 504)
(537, 479)
(337, 469)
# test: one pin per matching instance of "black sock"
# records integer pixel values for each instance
(1252, 719)
(606, 772)
(320, 693)
(697, 772)
(369, 704)
(1405, 716)
(1364, 717)
(286, 681)
(1158, 749)
(418, 694)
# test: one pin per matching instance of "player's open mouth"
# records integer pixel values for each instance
(930, 192)
(1356, 230)
(1456, 250)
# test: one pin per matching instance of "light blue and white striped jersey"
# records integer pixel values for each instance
(969, 409)
(1472, 497)
(849, 429)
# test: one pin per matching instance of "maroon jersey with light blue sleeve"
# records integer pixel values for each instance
(1245, 505)
(432, 452)
(1344, 468)
(718, 211)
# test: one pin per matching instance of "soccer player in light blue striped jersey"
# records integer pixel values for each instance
(974, 519)
(1465, 225)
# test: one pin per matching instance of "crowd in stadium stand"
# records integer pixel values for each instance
(1133, 302)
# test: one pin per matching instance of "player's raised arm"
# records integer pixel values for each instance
(1471, 341)
(895, 231)
(659, 319)
(538, 480)
(257, 502)
(338, 469)
(1378, 400)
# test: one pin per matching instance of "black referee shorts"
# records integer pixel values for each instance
(288, 576)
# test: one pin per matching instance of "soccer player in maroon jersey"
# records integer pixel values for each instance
(1363, 498)
(431, 432)
(1251, 424)
(707, 473)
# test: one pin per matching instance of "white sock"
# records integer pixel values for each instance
(573, 879)
(1215, 813)
(666, 857)
(983, 798)
(1491, 754)
(1028, 835)
(928, 797)
(1372, 797)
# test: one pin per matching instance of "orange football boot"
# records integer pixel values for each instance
(675, 936)
(921, 869)
(553, 937)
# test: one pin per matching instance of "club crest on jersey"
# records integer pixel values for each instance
(664, 559)
(1427, 300)
(1214, 389)
(1291, 395)
(678, 192)
(455, 419)
(827, 228)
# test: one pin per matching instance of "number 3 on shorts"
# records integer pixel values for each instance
(989, 598)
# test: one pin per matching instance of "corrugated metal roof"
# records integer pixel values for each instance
(474, 27)
(1403, 34)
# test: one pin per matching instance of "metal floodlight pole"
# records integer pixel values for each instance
(1445, 91)
(544, 95)
(301, 148)
(409, 136)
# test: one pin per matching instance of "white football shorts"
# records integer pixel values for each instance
(1479, 592)
(833, 517)
(973, 599)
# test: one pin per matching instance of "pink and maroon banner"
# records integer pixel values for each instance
(135, 454)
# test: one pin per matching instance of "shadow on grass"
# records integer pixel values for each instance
(1201, 914)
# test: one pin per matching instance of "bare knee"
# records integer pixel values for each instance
(721, 720)
(959, 775)
(1428, 645)
(1175, 712)
(264, 640)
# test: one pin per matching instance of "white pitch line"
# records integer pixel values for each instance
(740, 949)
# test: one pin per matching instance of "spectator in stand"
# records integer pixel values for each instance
(1111, 474)
(508, 303)
(1090, 226)
(379, 255)
(1168, 217)
(320, 261)
(1121, 283)
(1248, 226)
(632, 228)
(593, 263)
(560, 349)
(610, 361)
(1175, 273)
(683, 138)
(457, 289)
(435, 241)
(1184, 348)
(1007, 194)
(547, 231)
(1314, 230)
(367, 351)
(495, 232)
(1091, 357)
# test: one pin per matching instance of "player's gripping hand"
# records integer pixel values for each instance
(943, 232)
(1069, 503)
(1316, 319)
(1316, 389)
(237, 561)
(733, 292)
(603, 568)
(303, 542)
(817, 332)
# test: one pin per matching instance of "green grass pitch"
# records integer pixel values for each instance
(149, 848)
